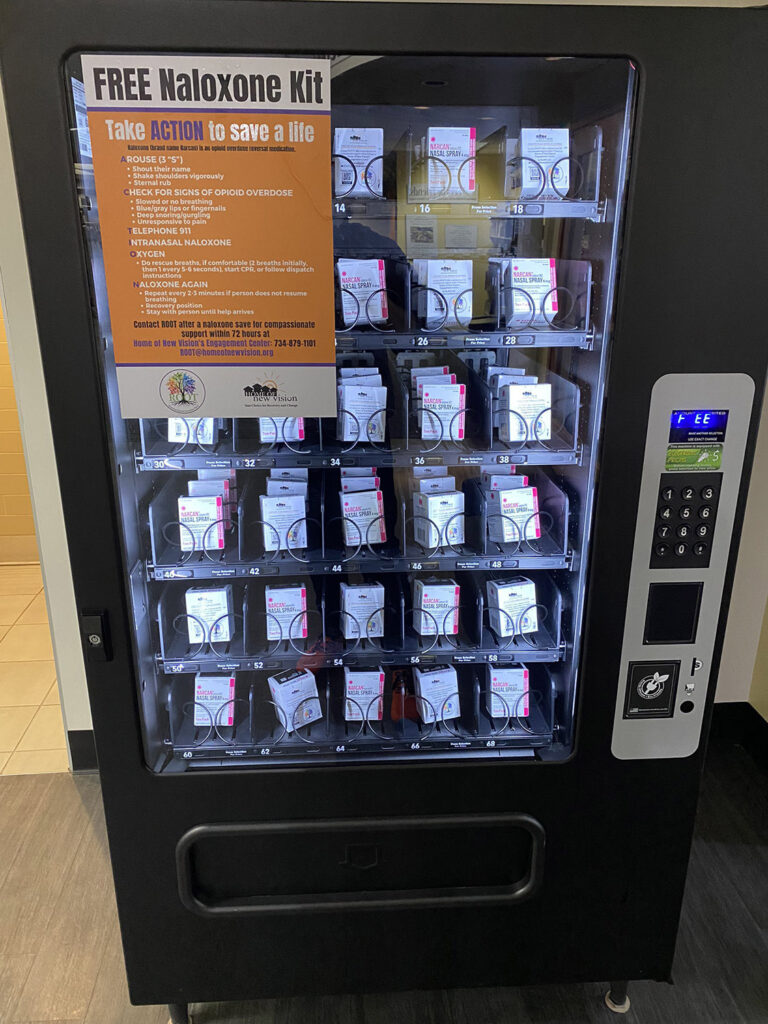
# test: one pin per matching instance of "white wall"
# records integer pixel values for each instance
(27, 369)
(750, 586)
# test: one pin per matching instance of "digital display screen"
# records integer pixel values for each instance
(689, 426)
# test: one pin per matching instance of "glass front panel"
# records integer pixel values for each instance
(406, 580)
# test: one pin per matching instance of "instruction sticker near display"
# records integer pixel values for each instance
(213, 178)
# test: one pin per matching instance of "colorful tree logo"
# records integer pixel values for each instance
(181, 389)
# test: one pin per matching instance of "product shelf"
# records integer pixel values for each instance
(325, 645)
(244, 554)
(258, 730)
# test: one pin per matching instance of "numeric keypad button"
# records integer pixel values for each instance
(699, 548)
(663, 531)
(702, 530)
(683, 531)
(685, 512)
(707, 493)
(662, 550)
(680, 549)
(705, 512)
(687, 493)
(665, 512)
(667, 494)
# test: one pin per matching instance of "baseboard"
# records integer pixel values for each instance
(738, 722)
(82, 749)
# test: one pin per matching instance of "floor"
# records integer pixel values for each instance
(32, 739)
(60, 956)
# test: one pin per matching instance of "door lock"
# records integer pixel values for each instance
(95, 631)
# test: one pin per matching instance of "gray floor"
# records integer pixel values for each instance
(60, 950)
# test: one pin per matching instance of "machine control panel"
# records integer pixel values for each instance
(685, 520)
(694, 454)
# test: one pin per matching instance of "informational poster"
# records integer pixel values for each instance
(213, 181)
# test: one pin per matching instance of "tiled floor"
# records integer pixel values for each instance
(31, 728)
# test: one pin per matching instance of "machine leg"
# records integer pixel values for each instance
(179, 1013)
(616, 998)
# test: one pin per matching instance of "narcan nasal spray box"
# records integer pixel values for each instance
(361, 688)
(513, 514)
(363, 517)
(295, 694)
(359, 167)
(438, 519)
(284, 606)
(512, 606)
(507, 692)
(436, 607)
(438, 689)
(201, 523)
(214, 700)
(209, 614)
(525, 412)
(362, 610)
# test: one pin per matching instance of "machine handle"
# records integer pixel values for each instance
(401, 899)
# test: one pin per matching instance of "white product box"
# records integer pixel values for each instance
(284, 517)
(525, 412)
(438, 519)
(442, 412)
(351, 471)
(284, 606)
(506, 692)
(436, 484)
(357, 371)
(363, 513)
(209, 614)
(538, 278)
(419, 472)
(192, 430)
(433, 379)
(276, 429)
(362, 610)
(361, 413)
(550, 148)
(512, 175)
(289, 473)
(361, 281)
(453, 280)
(438, 688)
(295, 694)
(213, 697)
(364, 149)
(283, 487)
(202, 523)
(440, 599)
(211, 489)
(512, 606)
(502, 481)
(513, 514)
(361, 688)
(425, 371)
(350, 484)
(454, 149)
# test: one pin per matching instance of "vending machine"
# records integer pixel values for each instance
(404, 364)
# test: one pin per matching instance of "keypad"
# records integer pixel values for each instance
(685, 520)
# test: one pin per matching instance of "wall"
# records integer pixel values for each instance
(27, 370)
(750, 586)
(17, 526)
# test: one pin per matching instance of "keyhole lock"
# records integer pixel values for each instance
(94, 640)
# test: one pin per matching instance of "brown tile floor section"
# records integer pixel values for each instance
(32, 739)
(60, 956)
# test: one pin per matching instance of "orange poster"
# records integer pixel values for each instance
(213, 182)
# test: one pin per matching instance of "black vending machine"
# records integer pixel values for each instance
(404, 364)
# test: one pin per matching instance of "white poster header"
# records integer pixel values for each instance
(175, 82)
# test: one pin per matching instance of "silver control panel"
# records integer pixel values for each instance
(694, 451)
